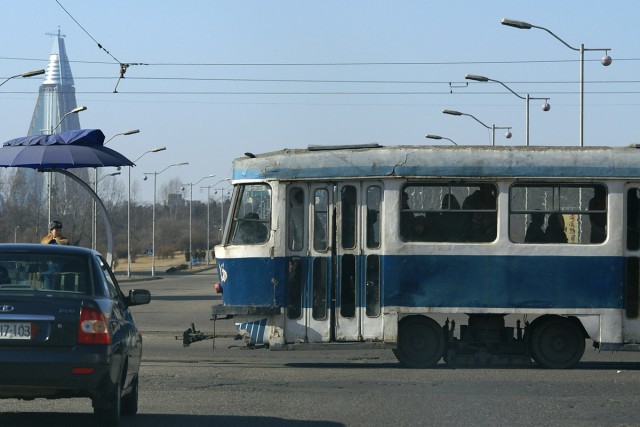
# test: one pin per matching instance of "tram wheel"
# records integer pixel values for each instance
(421, 342)
(557, 343)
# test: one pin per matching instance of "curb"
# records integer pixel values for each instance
(122, 278)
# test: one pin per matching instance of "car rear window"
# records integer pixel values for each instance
(43, 273)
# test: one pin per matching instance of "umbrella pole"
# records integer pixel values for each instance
(103, 211)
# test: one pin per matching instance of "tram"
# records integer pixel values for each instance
(470, 254)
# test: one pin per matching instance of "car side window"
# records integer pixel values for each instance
(109, 280)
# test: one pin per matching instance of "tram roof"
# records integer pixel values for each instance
(372, 160)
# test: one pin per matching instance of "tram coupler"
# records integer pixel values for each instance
(191, 335)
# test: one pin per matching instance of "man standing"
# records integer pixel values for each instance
(55, 236)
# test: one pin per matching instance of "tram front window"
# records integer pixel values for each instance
(251, 220)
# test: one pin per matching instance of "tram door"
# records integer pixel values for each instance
(309, 237)
(333, 286)
(631, 315)
(357, 310)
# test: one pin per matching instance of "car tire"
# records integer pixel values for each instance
(108, 414)
(130, 400)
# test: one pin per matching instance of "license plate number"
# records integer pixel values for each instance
(15, 331)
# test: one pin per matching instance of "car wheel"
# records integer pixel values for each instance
(130, 401)
(108, 413)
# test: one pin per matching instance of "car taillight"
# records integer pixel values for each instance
(93, 328)
(218, 288)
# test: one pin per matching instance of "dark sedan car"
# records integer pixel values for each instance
(66, 329)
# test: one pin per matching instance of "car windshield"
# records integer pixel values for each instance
(32, 272)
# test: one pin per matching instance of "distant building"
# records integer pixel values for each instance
(57, 95)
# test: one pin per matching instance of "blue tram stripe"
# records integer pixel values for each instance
(480, 281)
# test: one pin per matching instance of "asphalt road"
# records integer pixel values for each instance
(231, 385)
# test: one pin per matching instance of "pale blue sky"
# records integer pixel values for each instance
(354, 72)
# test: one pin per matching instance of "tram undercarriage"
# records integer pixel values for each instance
(552, 341)
(485, 340)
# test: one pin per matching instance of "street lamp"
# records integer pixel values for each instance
(545, 107)
(440, 137)
(25, 74)
(74, 111)
(153, 225)
(209, 187)
(605, 60)
(94, 231)
(492, 127)
(155, 150)
(190, 215)
(15, 234)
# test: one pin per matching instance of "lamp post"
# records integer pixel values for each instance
(605, 60)
(25, 74)
(51, 131)
(492, 127)
(440, 137)
(94, 232)
(209, 187)
(190, 215)
(153, 225)
(155, 150)
(545, 107)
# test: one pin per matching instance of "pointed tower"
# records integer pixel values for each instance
(57, 95)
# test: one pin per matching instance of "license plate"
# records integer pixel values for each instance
(15, 331)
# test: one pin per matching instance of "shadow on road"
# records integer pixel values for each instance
(587, 366)
(39, 419)
(184, 297)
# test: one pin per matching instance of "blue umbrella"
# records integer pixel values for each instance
(65, 150)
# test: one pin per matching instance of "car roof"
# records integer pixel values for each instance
(45, 249)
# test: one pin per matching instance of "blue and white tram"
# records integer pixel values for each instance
(534, 249)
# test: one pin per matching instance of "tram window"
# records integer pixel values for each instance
(433, 213)
(349, 211)
(348, 286)
(320, 280)
(295, 219)
(633, 219)
(373, 286)
(558, 213)
(294, 288)
(251, 220)
(320, 219)
(374, 195)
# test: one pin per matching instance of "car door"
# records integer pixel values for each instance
(126, 339)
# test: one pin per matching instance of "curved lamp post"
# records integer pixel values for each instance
(94, 232)
(52, 130)
(605, 60)
(155, 150)
(153, 225)
(492, 127)
(190, 214)
(545, 107)
(25, 74)
(440, 137)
